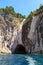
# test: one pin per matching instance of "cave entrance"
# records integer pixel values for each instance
(20, 49)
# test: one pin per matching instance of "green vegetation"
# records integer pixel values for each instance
(37, 12)
(10, 10)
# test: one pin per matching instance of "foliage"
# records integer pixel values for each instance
(34, 13)
(10, 10)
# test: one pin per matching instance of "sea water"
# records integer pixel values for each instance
(20, 59)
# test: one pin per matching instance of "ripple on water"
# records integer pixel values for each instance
(19, 59)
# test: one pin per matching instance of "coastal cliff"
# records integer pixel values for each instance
(9, 27)
(21, 36)
(32, 35)
(32, 32)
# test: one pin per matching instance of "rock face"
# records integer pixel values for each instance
(16, 37)
(10, 35)
(32, 38)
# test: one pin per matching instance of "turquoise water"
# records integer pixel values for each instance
(19, 59)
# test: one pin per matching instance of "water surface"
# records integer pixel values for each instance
(19, 59)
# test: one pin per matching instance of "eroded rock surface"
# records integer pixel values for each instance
(16, 37)
(32, 35)
(9, 33)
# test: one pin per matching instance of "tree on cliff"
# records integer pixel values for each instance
(10, 10)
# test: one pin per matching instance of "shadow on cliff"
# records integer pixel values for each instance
(20, 49)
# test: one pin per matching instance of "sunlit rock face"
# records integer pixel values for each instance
(9, 33)
(17, 40)
(16, 37)
(32, 36)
